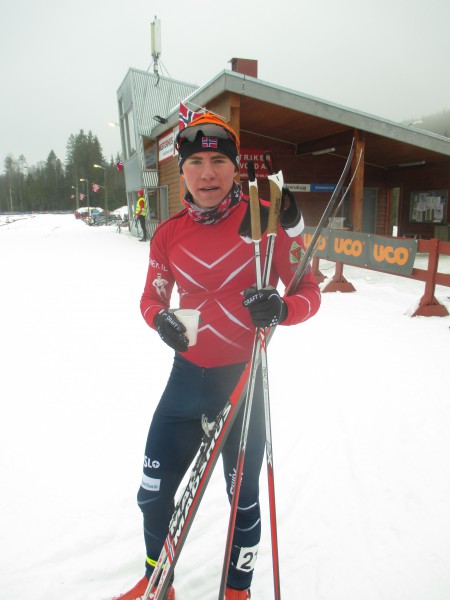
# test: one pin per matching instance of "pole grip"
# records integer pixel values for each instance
(275, 203)
(255, 217)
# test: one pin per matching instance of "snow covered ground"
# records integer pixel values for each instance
(361, 425)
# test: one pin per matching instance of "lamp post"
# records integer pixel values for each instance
(77, 200)
(105, 173)
(87, 194)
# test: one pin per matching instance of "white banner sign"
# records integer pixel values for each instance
(166, 146)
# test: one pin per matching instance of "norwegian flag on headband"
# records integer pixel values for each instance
(209, 142)
(186, 116)
(119, 165)
(95, 187)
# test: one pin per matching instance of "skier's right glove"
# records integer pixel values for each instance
(267, 308)
(171, 330)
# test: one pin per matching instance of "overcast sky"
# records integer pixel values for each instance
(61, 62)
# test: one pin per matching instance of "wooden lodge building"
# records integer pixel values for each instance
(402, 180)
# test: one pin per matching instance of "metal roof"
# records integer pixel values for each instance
(310, 123)
(151, 95)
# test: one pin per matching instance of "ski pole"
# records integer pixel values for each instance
(255, 221)
(258, 344)
(276, 184)
(329, 210)
(258, 355)
(339, 204)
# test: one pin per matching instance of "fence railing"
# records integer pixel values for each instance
(428, 305)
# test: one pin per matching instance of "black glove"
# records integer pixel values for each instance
(171, 330)
(266, 306)
(291, 219)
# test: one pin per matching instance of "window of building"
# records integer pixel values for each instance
(149, 154)
(153, 205)
(158, 204)
(130, 136)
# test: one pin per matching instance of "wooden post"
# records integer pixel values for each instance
(428, 305)
(316, 270)
(387, 220)
(338, 283)
(357, 188)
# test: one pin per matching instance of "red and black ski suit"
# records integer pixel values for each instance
(211, 265)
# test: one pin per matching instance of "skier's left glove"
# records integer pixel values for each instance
(267, 308)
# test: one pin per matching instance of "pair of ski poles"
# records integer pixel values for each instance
(262, 338)
(259, 347)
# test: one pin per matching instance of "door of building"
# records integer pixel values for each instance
(369, 216)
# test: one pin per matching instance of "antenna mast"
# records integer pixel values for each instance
(155, 29)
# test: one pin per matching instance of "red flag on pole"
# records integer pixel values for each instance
(119, 165)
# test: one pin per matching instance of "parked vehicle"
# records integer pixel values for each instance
(100, 219)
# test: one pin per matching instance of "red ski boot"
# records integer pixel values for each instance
(138, 592)
(231, 594)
